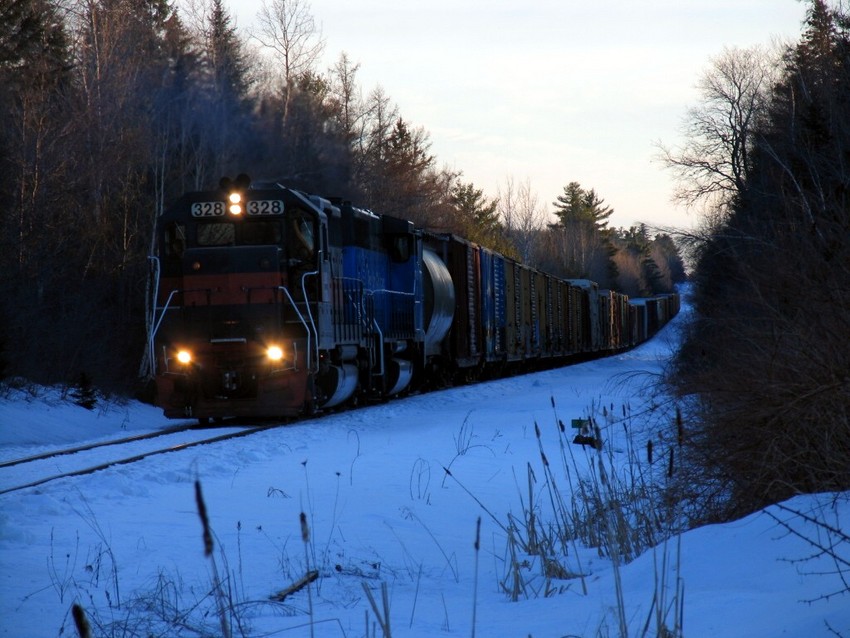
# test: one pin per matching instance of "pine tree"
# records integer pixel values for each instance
(664, 245)
(225, 57)
(587, 249)
(478, 219)
(224, 115)
(84, 393)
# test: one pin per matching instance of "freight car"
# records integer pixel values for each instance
(270, 302)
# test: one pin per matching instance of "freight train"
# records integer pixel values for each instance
(271, 302)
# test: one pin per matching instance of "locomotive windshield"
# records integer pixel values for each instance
(216, 234)
(261, 233)
(254, 233)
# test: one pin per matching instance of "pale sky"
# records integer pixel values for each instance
(549, 91)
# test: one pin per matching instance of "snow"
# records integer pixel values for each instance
(126, 543)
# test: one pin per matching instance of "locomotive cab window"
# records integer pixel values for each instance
(174, 240)
(400, 247)
(300, 235)
(216, 234)
(262, 233)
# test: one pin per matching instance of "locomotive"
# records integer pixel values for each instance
(271, 302)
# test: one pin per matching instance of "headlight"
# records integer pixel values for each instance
(235, 203)
(274, 353)
(184, 357)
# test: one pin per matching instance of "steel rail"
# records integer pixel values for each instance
(91, 446)
(135, 458)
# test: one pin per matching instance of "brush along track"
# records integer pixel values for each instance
(243, 431)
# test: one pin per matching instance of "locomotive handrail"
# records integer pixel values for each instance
(163, 309)
(155, 296)
(162, 314)
(380, 347)
(310, 312)
(356, 304)
(285, 291)
(391, 292)
(377, 326)
(152, 316)
(157, 324)
(389, 321)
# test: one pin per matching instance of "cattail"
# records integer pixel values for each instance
(545, 460)
(562, 426)
(603, 475)
(305, 531)
(552, 399)
(670, 465)
(80, 621)
(305, 536)
(202, 512)
(649, 452)
(536, 430)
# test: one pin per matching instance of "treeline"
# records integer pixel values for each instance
(765, 371)
(112, 108)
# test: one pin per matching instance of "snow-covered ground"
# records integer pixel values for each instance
(126, 543)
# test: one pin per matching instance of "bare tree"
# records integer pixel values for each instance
(288, 29)
(523, 215)
(711, 165)
(345, 99)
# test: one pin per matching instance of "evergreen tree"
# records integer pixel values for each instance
(478, 219)
(224, 115)
(586, 246)
(32, 38)
(400, 177)
(225, 57)
(569, 206)
(670, 257)
(83, 393)
(595, 210)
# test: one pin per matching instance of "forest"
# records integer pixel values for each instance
(763, 376)
(113, 108)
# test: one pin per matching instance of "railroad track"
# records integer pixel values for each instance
(92, 446)
(31, 470)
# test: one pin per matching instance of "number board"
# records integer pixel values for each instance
(265, 207)
(207, 209)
